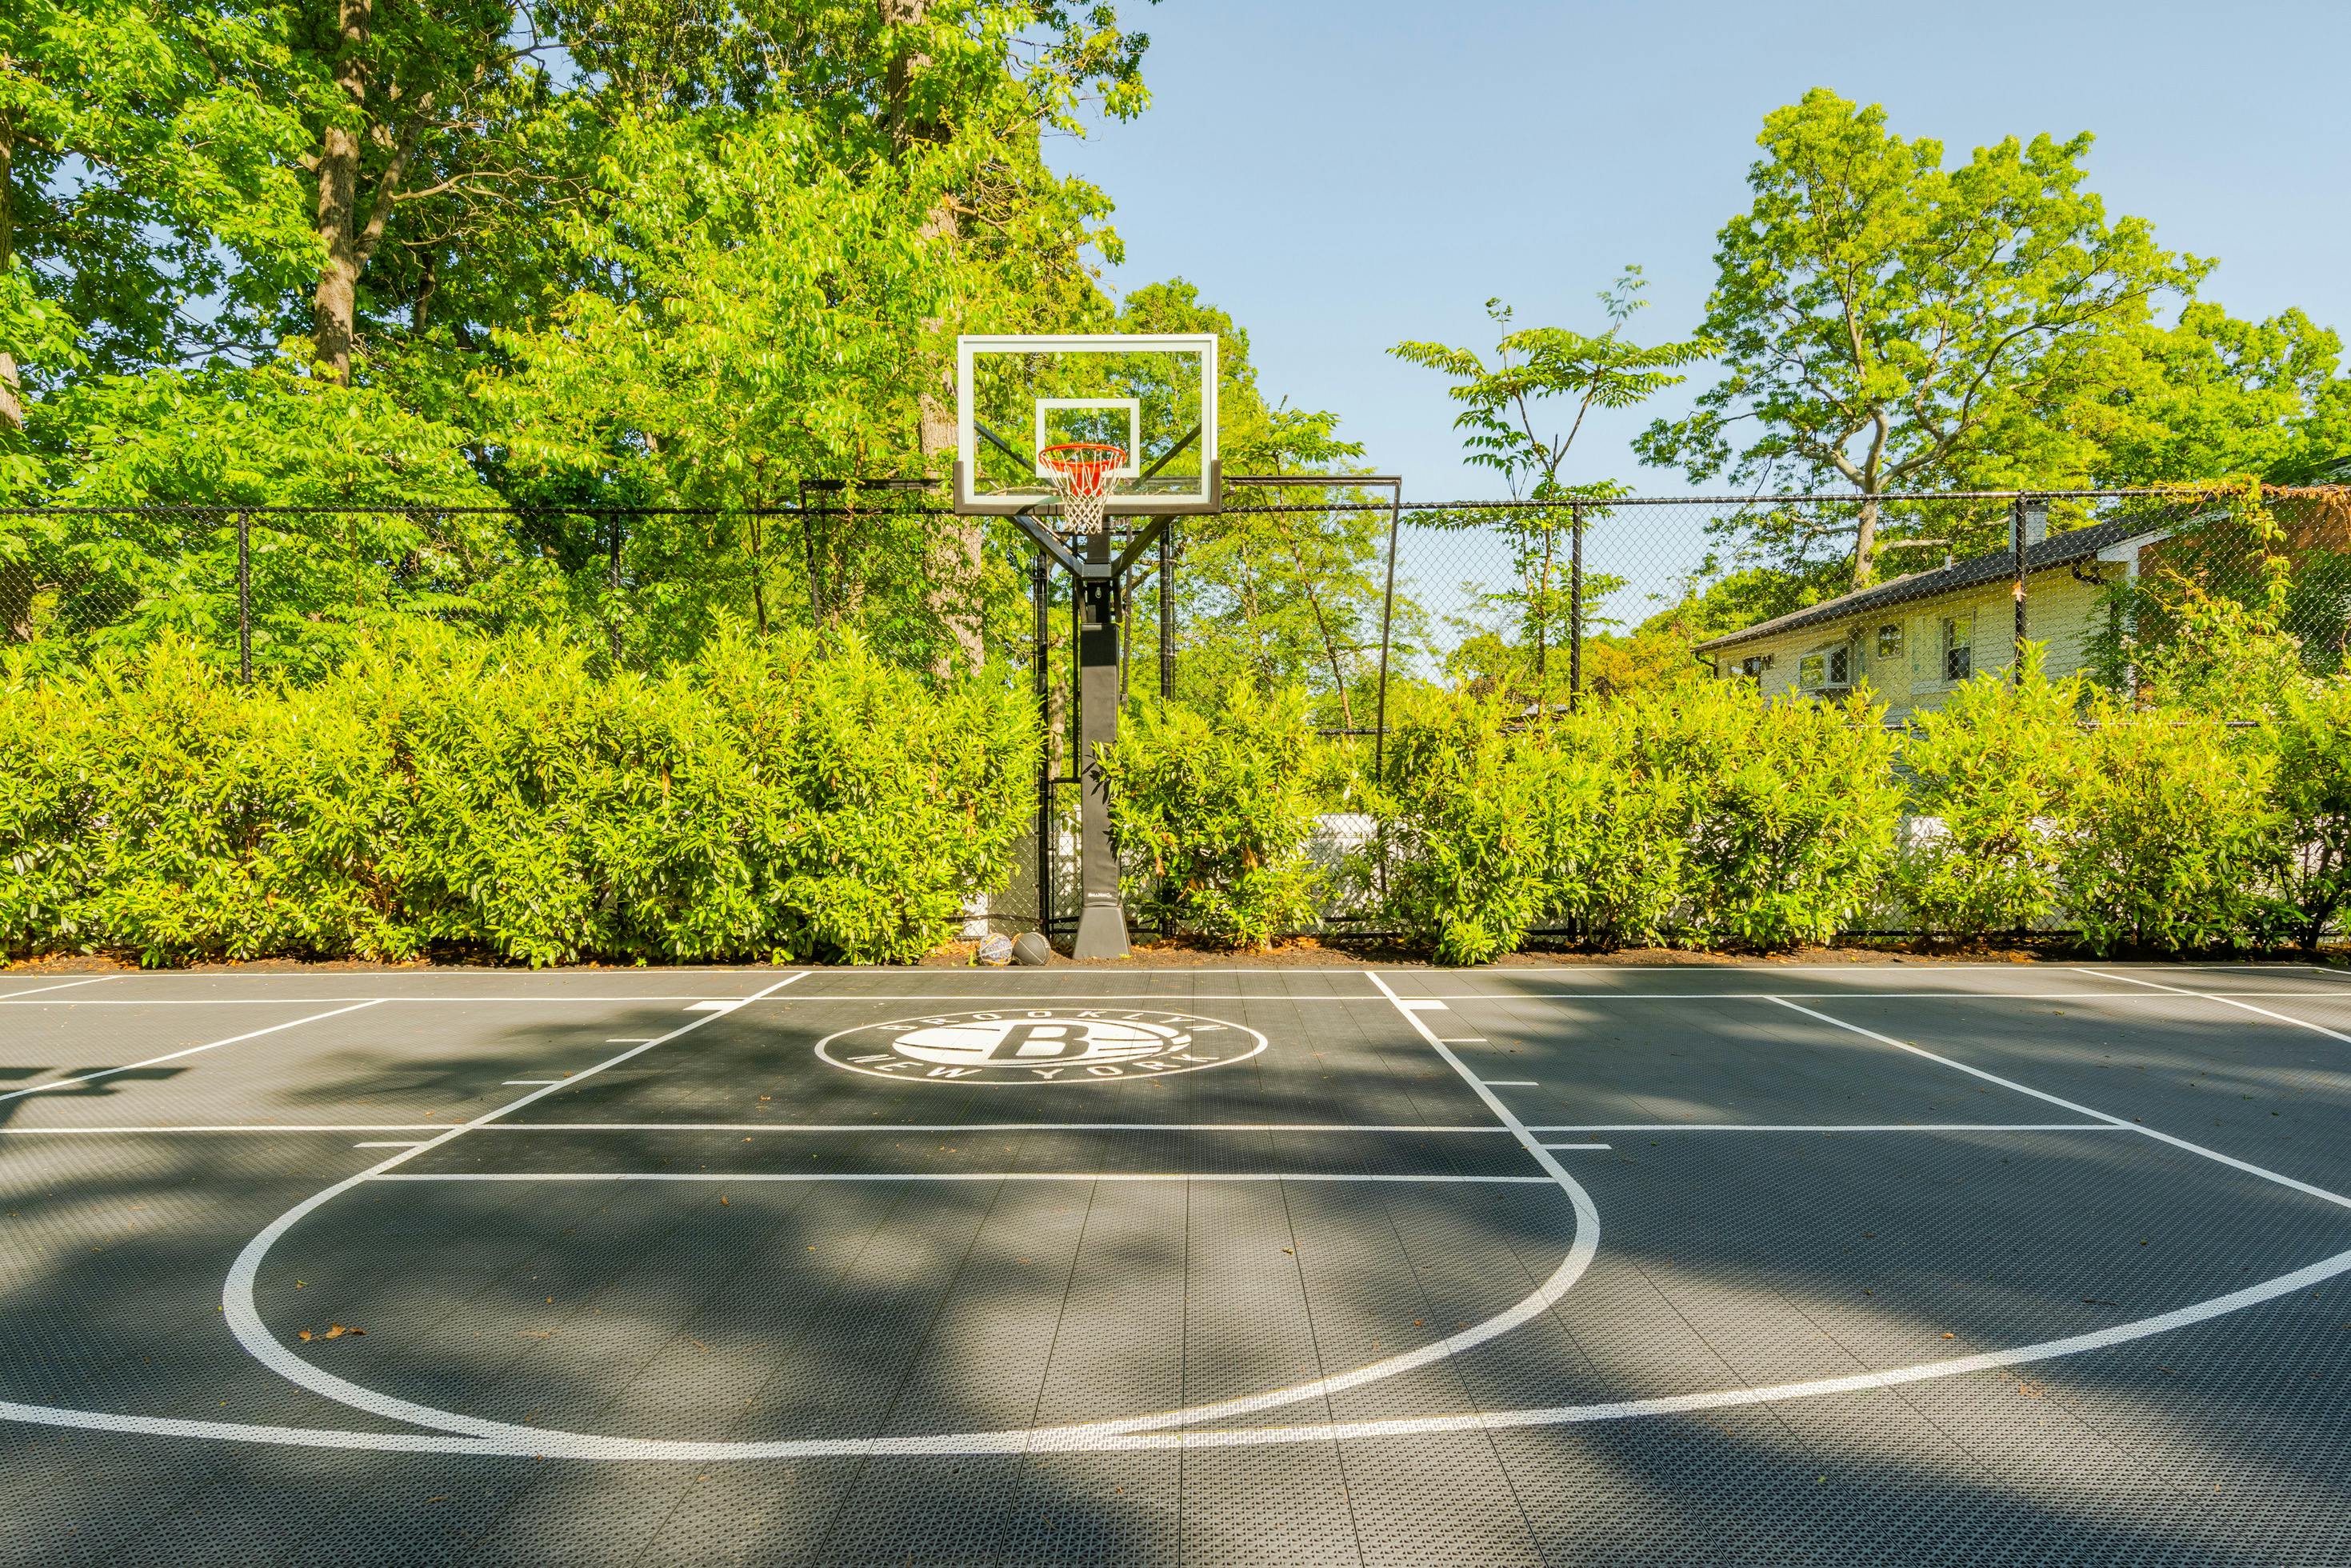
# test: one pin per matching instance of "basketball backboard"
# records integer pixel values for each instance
(1151, 394)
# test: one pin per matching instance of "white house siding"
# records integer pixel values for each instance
(2062, 612)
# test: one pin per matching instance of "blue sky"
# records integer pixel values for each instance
(1341, 175)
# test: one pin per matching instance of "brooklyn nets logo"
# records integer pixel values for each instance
(1040, 1045)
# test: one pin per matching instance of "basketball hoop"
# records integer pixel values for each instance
(1081, 473)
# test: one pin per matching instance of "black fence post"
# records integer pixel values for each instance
(2019, 510)
(1575, 607)
(1040, 680)
(612, 581)
(1387, 620)
(244, 602)
(1167, 611)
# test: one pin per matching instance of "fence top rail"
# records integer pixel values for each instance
(2189, 493)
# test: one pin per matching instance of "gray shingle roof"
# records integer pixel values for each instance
(2056, 550)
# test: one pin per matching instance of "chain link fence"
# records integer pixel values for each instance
(1337, 585)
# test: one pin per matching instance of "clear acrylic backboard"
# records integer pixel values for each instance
(1152, 395)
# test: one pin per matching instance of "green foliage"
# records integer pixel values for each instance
(2174, 835)
(2210, 394)
(154, 809)
(1460, 838)
(2311, 734)
(1212, 808)
(1888, 323)
(1693, 815)
(1996, 768)
(1615, 830)
(1282, 599)
(2229, 614)
(774, 800)
(1788, 809)
(1503, 409)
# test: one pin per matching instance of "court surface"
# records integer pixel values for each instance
(1724, 1264)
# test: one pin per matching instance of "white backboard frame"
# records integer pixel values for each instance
(1203, 344)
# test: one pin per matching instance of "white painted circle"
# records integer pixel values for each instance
(1034, 1046)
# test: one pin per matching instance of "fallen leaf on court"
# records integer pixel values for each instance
(767, 1097)
(302, 1333)
(1950, 1337)
(2031, 1390)
(721, 1196)
(1292, 1250)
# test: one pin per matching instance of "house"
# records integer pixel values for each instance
(1914, 638)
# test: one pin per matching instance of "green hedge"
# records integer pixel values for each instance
(773, 800)
(1703, 817)
(1697, 816)
(1213, 809)
(785, 800)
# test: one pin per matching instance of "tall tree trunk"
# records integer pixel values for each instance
(955, 547)
(1864, 543)
(12, 396)
(335, 305)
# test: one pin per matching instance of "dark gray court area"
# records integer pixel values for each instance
(1762, 1263)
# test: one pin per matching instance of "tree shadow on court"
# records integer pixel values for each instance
(697, 1309)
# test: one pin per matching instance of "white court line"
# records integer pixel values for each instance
(2227, 1000)
(723, 1177)
(1041, 999)
(243, 1314)
(245, 1319)
(2143, 1131)
(391, 1144)
(175, 1055)
(1511, 1083)
(1841, 1127)
(1152, 1432)
(296, 1001)
(530, 1082)
(61, 986)
(866, 1127)
(977, 1127)
(1860, 996)
(234, 1127)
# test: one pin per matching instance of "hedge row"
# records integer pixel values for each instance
(783, 801)
(772, 801)
(1701, 818)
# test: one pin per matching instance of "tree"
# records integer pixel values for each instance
(1505, 411)
(2211, 395)
(1886, 323)
(144, 165)
(1275, 599)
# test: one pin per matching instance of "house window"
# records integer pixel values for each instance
(1751, 666)
(1828, 668)
(1889, 642)
(1958, 647)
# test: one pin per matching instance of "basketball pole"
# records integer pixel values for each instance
(1101, 916)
